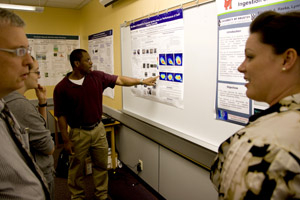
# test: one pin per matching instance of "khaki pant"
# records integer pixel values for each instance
(92, 142)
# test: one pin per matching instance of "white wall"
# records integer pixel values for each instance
(173, 176)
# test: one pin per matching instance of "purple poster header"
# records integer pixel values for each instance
(101, 35)
(158, 19)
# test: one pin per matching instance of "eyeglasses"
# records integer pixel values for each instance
(38, 72)
(19, 51)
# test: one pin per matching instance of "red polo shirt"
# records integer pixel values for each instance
(82, 104)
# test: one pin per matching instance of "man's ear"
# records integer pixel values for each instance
(77, 63)
(290, 58)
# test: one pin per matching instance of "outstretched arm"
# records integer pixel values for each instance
(127, 81)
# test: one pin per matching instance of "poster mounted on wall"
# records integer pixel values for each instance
(101, 50)
(234, 18)
(157, 50)
(52, 53)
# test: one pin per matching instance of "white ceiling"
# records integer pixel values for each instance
(73, 4)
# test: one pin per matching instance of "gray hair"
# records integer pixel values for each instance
(9, 18)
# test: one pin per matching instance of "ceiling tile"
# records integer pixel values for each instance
(28, 2)
(74, 4)
(61, 4)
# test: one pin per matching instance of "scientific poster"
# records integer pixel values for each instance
(52, 53)
(157, 50)
(102, 54)
(234, 18)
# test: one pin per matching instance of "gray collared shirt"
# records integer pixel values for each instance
(17, 179)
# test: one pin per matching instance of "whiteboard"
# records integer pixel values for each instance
(197, 122)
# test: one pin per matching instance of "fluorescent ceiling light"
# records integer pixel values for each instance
(22, 7)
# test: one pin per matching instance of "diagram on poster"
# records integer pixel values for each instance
(157, 50)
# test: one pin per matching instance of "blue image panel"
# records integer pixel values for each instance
(178, 77)
(170, 59)
(162, 59)
(223, 115)
(163, 76)
(170, 76)
(178, 59)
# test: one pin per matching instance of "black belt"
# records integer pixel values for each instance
(90, 127)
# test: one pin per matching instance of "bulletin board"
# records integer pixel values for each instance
(196, 122)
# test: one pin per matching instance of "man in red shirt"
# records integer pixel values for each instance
(78, 103)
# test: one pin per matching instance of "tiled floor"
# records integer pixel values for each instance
(123, 185)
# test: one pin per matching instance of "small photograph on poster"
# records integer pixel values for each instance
(178, 59)
(178, 77)
(162, 59)
(170, 59)
(163, 76)
(170, 76)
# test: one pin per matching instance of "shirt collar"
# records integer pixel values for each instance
(1, 105)
(285, 104)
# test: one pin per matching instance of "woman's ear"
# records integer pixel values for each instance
(290, 58)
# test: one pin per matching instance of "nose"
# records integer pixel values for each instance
(242, 67)
(27, 60)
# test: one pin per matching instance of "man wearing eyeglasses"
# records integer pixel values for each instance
(20, 177)
(40, 139)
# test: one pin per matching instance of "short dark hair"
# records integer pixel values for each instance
(280, 30)
(76, 55)
(9, 18)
